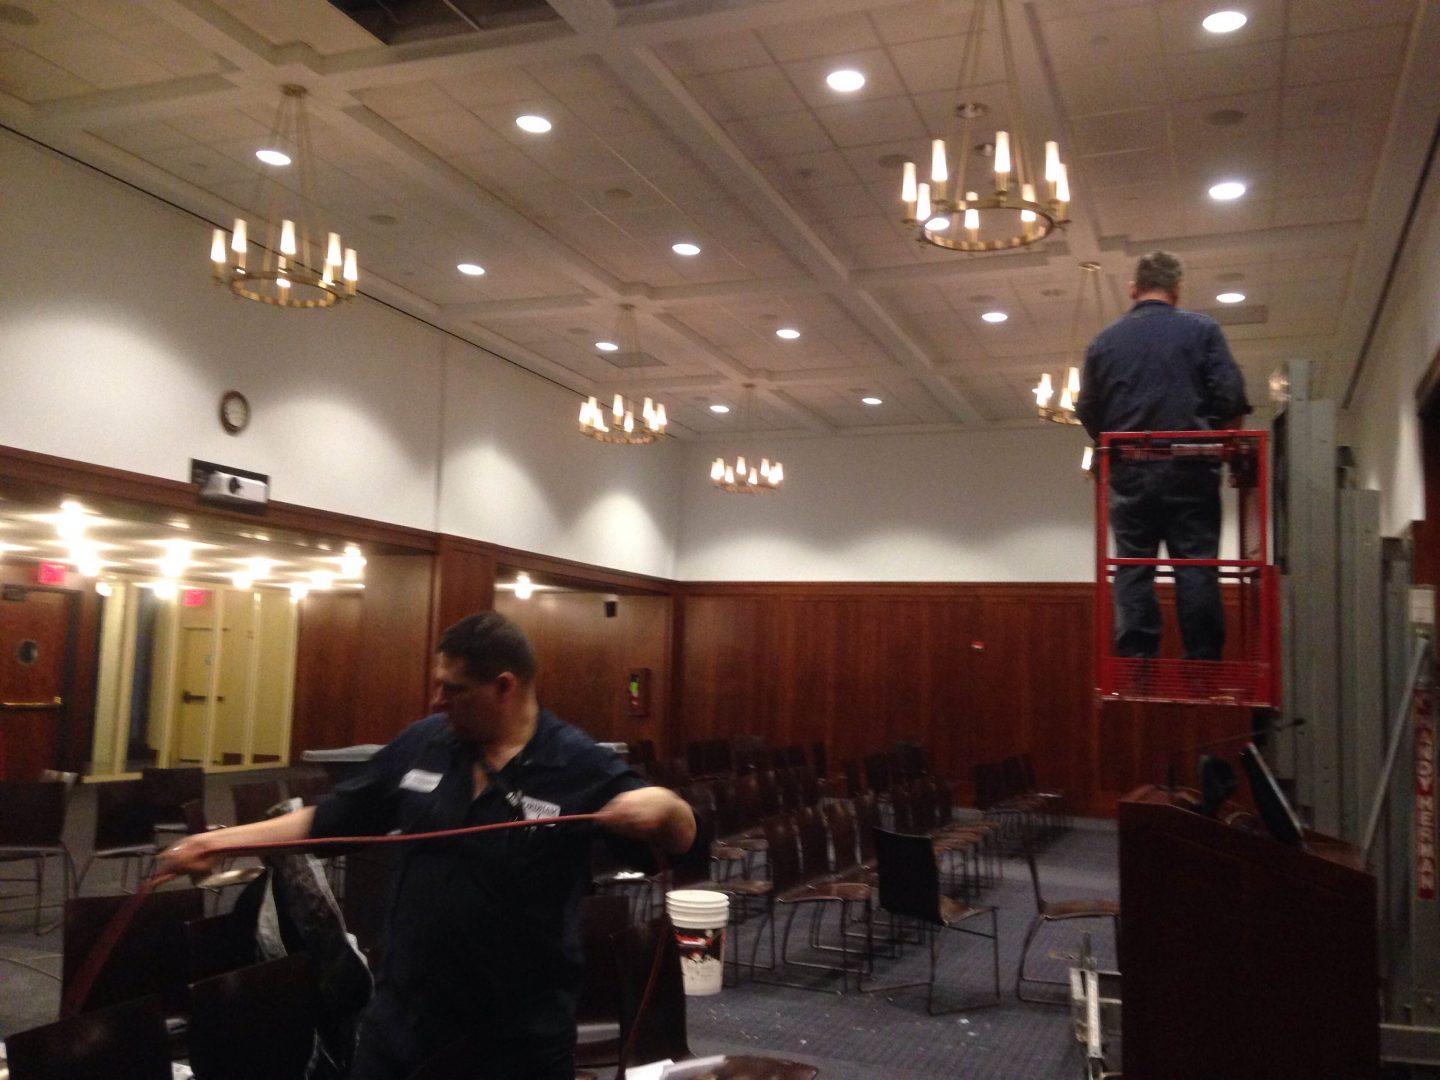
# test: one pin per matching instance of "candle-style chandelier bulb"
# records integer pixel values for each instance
(289, 271)
(1015, 211)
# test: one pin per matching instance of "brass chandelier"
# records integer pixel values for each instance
(1022, 205)
(623, 428)
(293, 268)
(1062, 411)
(742, 477)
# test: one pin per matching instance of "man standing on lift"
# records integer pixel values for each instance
(1158, 368)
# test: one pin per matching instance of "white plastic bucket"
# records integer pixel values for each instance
(700, 916)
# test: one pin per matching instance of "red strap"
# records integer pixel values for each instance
(79, 990)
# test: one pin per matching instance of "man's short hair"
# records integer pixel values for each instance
(489, 644)
(1158, 270)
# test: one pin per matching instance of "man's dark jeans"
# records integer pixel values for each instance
(1179, 503)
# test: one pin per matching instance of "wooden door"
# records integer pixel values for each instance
(197, 648)
(34, 666)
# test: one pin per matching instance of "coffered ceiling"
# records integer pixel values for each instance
(710, 121)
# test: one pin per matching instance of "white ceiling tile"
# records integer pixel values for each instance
(1131, 129)
(1234, 69)
(489, 88)
(827, 169)
(745, 92)
(101, 61)
(221, 125)
(1125, 169)
(407, 99)
(783, 133)
(820, 37)
(922, 21)
(1355, 104)
(862, 123)
(1319, 58)
(1319, 16)
(934, 64)
(720, 53)
(1111, 89)
(1123, 38)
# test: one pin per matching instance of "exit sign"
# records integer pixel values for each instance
(50, 573)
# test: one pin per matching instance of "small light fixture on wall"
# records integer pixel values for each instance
(524, 587)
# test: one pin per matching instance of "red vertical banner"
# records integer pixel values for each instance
(1425, 793)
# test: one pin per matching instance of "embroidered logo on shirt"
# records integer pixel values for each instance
(420, 780)
(538, 808)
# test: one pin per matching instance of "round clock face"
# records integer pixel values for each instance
(234, 412)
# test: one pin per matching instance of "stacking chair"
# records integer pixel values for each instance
(1048, 911)
(597, 1015)
(792, 888)
(308, 787)
(124, 827)
(126, 1041)
(877, 772)
(32, 829)
(168, 790)
(662, 1028)
(253, 801)
(910, 888)
(151, 957)
(256, 1021)
(820, 759)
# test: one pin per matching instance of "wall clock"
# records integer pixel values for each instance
(234, 412)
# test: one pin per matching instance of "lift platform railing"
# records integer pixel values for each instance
(1249, 674)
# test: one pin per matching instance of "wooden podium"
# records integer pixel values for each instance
(1242, 958)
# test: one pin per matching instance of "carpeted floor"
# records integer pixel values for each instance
(854, 1037)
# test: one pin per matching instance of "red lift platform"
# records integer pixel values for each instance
(1249, 676)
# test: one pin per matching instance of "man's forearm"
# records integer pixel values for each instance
(292, 826)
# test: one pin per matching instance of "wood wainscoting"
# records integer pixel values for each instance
(976, 672)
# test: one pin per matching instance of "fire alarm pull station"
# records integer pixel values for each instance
(637, 692)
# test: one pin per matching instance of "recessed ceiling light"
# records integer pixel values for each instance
(994, 316)
(789, 333)
(719, 409)
(472, 269)
(273, 157)
(383, 219)
(871, 401)
(1224, 22)
(846, 80)
(938, 223)
(1230, 297)
(607, 346)
(535, 125)
(1227, 190)
(685, 248)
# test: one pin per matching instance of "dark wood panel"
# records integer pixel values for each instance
(327, 656)
(585, 657)
(976, 672)
(464, 582)
(392, 676)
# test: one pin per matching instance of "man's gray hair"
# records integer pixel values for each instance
(1158, 270)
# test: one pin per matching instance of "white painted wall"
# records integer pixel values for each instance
(1007, 505)
(517, 472)
(115, 348)
(1381, 422)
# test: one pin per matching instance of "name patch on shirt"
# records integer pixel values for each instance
(538, 808)
(420, 780)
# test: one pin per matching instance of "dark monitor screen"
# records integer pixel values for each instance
(1274, 808)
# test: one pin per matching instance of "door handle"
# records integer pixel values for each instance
(190, 699)
(54, 703)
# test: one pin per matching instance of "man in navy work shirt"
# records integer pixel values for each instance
(482, 938)
(1157, 368)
